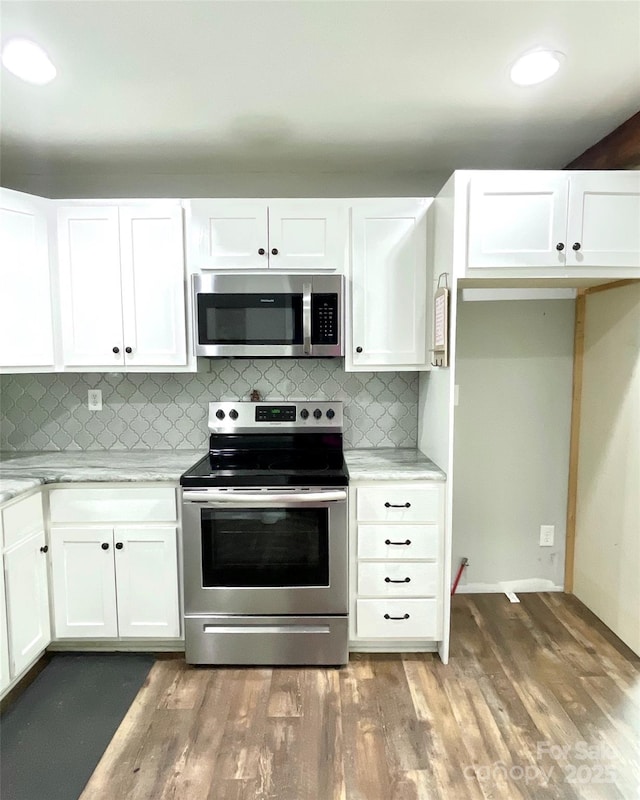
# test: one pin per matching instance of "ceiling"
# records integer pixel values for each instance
(314, 85)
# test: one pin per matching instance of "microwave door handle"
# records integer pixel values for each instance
(306, 319)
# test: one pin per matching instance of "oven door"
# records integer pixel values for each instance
(255, 551)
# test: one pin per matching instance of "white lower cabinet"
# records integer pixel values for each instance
(24, 622)
(396, 561)
(27, 601)
(5, 671)
(84, 588)
(397, 619)
(119, 579)
(146, 580)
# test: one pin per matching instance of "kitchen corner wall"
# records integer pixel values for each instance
(148, 411)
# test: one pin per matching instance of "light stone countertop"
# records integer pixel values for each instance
(391, 464)
(22, 471)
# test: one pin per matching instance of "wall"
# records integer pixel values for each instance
(511, 448)
(142, 411)
(607, 547)
(138, 183)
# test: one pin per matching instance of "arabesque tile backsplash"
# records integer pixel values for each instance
(156, 410)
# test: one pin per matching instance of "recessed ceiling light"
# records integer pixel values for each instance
(28, 61)
(535, 67)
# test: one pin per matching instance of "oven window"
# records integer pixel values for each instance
(250, 319)
(265, 547)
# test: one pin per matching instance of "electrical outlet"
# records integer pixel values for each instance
(546, 535)
(94, 400)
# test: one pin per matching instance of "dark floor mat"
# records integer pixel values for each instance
(54, 734)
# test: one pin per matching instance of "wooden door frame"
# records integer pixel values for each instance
(576, 406)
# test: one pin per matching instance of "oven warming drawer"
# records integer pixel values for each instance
(266, 640)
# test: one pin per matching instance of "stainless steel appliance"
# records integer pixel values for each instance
(268, 315)
(265, 537)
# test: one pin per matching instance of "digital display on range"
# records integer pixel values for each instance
(275, 413)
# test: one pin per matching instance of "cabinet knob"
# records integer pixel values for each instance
(261, 251)
(105, 545)
(407, 542)
(116, 349)
(576, 246)
(391, 580)
(404, 616)
(560, 246)
(128, 350)
(358, 349)
(44, 549)
(274, 251)
(397, 505)
(119, 545)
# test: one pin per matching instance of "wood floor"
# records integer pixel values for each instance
(539, 700)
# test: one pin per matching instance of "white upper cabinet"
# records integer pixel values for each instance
(26, 327)
(288, 235)
(604, 219)
(515, 221)
(567, 225)
(227, 234)
(153, 287)
(307, 234)
(90, 286)
(122, 286)
(389, 308)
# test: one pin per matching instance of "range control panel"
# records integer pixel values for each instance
(242, 416)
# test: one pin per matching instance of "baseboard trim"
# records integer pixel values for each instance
(117, 646)
(527, 585)
(396, 647)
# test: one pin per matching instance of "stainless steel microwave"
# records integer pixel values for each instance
(268, 315)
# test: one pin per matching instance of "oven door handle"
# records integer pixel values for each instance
(266, 499)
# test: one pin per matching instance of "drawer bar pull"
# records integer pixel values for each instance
(397, 505)
(405, 616)
(391, 580)
(388, 541)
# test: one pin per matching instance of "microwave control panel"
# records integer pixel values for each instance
(324, 318)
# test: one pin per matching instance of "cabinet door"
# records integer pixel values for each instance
(389, 285)
(307, 234)
(27, 601)
(26, 331)
(90, 290)
(604, 219)
(227, 234)
(84, 590)
(5, 674)
(147, 581)
(517, 220)
(153, 286)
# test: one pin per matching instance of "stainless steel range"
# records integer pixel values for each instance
(265, 537)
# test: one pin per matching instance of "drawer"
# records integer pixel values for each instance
(113, 505)
(22, 519)
(405, 541)
(408, 619)
(399, 579)
(399, 504)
